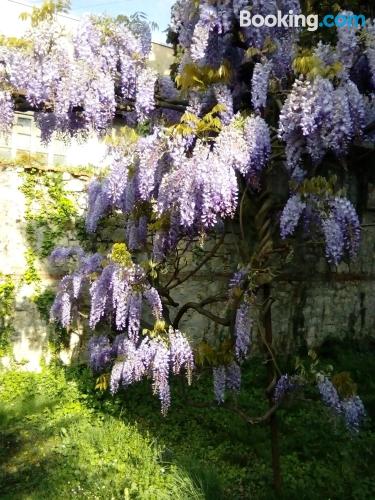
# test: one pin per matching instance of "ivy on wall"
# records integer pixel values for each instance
(7, 297)
(50, 214)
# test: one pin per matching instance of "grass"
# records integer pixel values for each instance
(62, 439)
(53, 445)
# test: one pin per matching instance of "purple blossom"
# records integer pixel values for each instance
(238, 278)
(145, 101)
(233, 377)
(338, 131)
(347, 41)
(77, 279)
(181, 354)
(84, 78)
(347, 219)
(305, 117)
(284, 54)
(100, 353)
(351, 408)
(149, 152)
(116, 375)
(242, 330)
(6, 112)
(90, 263)
(98, 204)
(356, 105)
(62, 308)
(329, 394)
(61, 254)
(353, 412)
(101, 292)
(208, 21)
(259, 84)
(154, 301)
(257, 137)
(134, 315)
(219, 377)
(121, 281)
(118, 179)
(334, 239)
(160, 374)
(223, 96)
(291, 215)
(370, 48)
(283, 386)
(167, 89)
(201, 189)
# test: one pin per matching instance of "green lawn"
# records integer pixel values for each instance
(61, 439)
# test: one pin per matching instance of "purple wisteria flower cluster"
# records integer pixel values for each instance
(204, 31)
(336, 218)
(242, 330)
(75, 77)
(70, 287)
(317, 117)
(6, 112)
(350, 408)
(118, 292)
(237, 280)
(284, 386)
(226, 378)
(195, 185)
(259, 84)
(370, 49)
(129, 361)
(181, 183)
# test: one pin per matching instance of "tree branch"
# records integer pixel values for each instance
(210, 254)
(199, 307)
(237, 411)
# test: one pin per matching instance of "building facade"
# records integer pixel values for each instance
(25, 137)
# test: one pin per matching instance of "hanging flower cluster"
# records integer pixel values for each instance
(336, 218)
(284, 386)
(130, 361)
(6, 112)
(72, 79)
(194, 185)
(183, 181)
(320, 118)
(206, 29)
(226, 378)
(350, 408)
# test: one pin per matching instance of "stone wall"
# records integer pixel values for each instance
(313, 302)
(29, 338)
(316, 304)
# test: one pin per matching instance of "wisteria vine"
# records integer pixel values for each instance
(192, 171)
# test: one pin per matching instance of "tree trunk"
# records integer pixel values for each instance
(275, 449)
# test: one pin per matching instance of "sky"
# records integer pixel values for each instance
(156, 10)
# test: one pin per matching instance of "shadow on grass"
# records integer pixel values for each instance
(229, 459)
(28, 443)
(59, 449)
(211, 445)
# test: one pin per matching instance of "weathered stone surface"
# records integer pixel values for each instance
(312, 302)
(74, 185)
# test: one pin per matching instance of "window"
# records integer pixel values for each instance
(5, 153)
(23, 125)
(58, 159)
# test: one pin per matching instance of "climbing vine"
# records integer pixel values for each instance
(50, 215)
(49, 212)
(7, 297)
